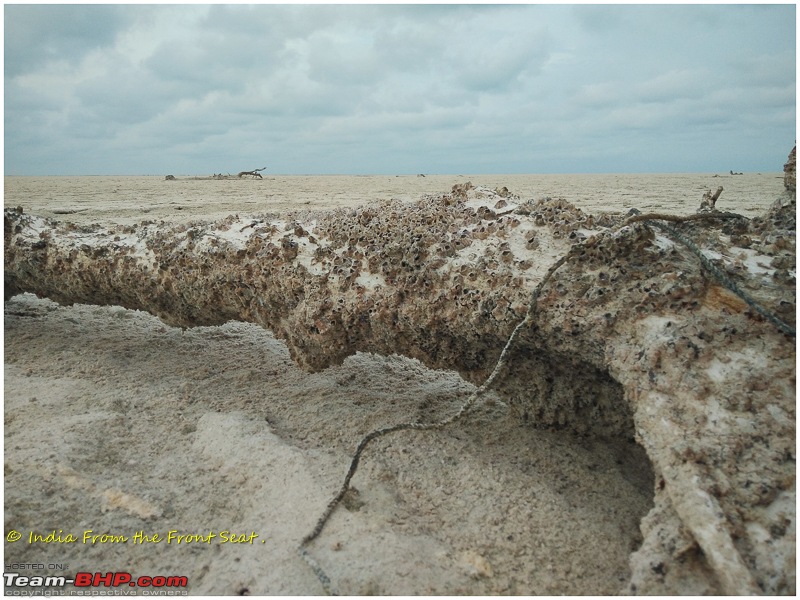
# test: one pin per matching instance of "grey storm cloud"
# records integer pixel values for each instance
(397, 88)
(36, 34)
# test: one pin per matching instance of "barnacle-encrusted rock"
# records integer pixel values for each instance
(790, 171)
(630, 336)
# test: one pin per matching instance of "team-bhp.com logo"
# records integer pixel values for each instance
(95, 580)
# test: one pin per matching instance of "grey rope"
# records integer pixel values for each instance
(723, 279)
(463, 410)
(652, 218)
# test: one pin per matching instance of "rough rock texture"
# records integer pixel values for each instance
(790, 171)
(631, 337)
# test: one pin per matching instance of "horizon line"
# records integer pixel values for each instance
(728, 173)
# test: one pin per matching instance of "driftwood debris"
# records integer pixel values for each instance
(68, 211)
(254, 173)
(630, 336)
(709, 201)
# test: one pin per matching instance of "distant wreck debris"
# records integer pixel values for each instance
(255, 173)
(631, 334)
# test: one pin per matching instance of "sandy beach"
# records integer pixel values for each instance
(120, 425)
(108, 200)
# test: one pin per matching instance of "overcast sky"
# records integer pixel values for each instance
(378, 89)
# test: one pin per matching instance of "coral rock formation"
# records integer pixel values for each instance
(631, 337)
(790, 171)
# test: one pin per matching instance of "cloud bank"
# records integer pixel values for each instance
(367, 89)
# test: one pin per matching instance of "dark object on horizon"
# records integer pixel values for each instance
(732, 173)
(169, 178)
(254, 173)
